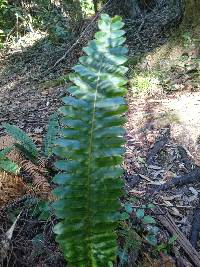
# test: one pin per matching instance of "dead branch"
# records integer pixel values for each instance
(194, 236)
(191, 177)
(81, 35)
(158, 146)
(168, 222)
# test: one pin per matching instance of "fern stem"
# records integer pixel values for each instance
(90, 160)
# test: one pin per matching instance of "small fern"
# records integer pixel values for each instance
(7, 164)
(24, 142)
(5, 151)
(91, 149)
(51, 134)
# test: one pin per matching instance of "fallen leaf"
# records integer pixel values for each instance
(154, 167)
(195, 194)
(166, 261)
(145, 177)
(137, 193)
(38, 130)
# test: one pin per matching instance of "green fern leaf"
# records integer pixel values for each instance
(25, 144)
(91, 151)
(26, 153)
(5, 151)
(51, 134)
(9, 166)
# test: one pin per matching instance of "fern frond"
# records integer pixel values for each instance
(9, 166)
(12, 188)
(5, 151)
(25, 144)
(91, 149)
(6, 164)
(40, 183)
(51, 134)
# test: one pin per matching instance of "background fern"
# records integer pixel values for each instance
(24, 142)
(26, 145)
(7, 164)
(91, 149)
(5, 151)
(51, 134)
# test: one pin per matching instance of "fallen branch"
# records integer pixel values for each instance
(186, 158)
(158, 146)
(167, 221)
(81, 35)
(5, 242)
(195, 227)
(191, 177)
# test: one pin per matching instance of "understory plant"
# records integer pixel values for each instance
(6, 164)
(90, 148)
(27, 147)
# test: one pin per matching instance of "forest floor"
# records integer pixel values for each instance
(162, 159)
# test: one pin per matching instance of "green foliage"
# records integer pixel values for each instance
(131, 243)
(91, 148)
(167, 246)
(42, 210)
(3, 19)
(140, 213)
(149, 223)
(57, 18)
(24, 142)
(7, 164)
(51, 134)
(87, 7)
(143, 82)
(5, 151)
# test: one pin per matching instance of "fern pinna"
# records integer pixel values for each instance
(91, 149)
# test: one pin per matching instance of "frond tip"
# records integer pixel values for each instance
(91, 150)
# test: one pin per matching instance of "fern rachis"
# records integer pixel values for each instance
(91, 149)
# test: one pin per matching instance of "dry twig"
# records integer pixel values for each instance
(81, 35)
(168, 222)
